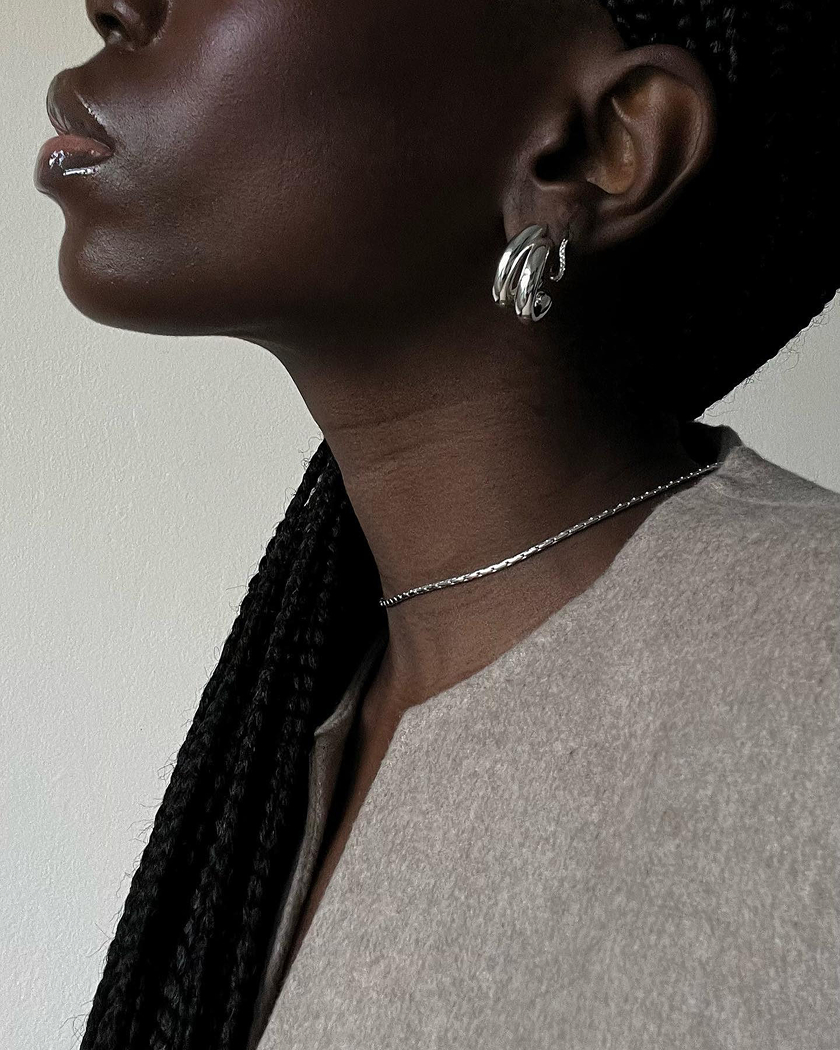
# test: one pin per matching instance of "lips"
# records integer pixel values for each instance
(82, 143)
(71, 114)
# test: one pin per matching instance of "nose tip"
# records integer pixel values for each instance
(126, 23)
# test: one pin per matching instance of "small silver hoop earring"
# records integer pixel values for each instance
(530, 258)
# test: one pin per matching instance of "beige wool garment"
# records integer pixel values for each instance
(622, 834)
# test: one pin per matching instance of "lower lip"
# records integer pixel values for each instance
(66, 156)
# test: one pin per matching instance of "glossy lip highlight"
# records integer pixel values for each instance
(71, 155)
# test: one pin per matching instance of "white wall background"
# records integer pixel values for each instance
(141, 478)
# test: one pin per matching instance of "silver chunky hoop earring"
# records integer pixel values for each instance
(530, 258)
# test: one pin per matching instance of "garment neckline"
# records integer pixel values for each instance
(727, 449)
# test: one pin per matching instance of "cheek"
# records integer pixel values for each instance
(259, 180)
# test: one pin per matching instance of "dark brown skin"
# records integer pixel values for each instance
(335, 182)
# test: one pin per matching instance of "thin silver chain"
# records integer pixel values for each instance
(477, 573)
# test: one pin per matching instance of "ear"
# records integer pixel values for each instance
(634, 128)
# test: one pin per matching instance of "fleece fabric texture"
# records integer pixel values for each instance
(624, 833)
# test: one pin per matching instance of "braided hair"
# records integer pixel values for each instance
(746, 258)
(738, 267)
(184, 965)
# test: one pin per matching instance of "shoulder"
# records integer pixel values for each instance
(753, 480)
(755, 572)
(745, 615)
(763, 519)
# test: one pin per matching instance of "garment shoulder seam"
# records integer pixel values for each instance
(824, 504)
(823, 497)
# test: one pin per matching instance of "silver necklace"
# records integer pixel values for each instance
(477, 573)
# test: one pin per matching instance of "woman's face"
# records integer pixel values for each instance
(290, 167)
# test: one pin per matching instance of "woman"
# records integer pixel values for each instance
(508, 253)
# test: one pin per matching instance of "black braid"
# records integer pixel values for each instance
(248, 948)
(746, 259)
(251, 732)
(166, 859)
(228, 803)
(738, 267)
(256, 740)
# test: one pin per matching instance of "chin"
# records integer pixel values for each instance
(127, 285)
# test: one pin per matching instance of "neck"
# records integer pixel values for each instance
(455, 460)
